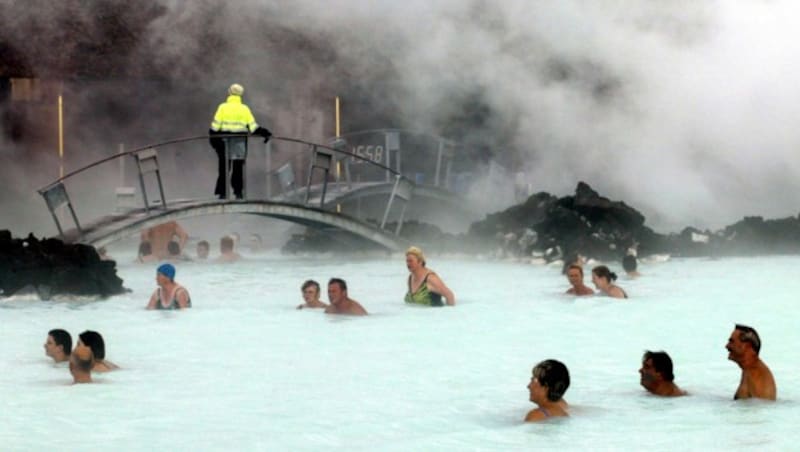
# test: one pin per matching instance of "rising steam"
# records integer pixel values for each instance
(683, 109)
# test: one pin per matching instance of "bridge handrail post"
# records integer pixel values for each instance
(55, 196)
(402, 189)
(438, 163)
(147, 162)
(310, 174)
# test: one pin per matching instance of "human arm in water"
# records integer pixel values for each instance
(153, 300)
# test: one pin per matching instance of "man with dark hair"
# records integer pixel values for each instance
(95, 342)
(656, 375)
(757, 381)
(80, 364)
(58, 345)
(227, 251)
(311, 292)
(202, 249)
(340, 302)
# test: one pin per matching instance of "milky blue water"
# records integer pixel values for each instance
(244, 370)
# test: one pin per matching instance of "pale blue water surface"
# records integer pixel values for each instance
(243, 370)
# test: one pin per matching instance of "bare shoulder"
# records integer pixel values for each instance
(534, 415)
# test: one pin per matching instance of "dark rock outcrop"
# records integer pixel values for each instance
(51, 267)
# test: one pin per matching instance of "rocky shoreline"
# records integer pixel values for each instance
(50, 267)
(588, 224)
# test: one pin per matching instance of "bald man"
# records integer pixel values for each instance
(80, 364)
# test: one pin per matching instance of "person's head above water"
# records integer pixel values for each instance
(145, 249)
(174, 248)
(167, 270)
(748, 335)
(58, 345)
(81, 362)
(226, 244)
(94, 340)
(202, 249)
(661, 363)
(416, 256)
(601, 271)
(553, 375)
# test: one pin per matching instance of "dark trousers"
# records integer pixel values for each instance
(234, 165)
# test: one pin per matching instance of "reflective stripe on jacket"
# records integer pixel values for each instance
(234, 116)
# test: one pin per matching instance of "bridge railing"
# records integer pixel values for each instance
(405, 151)
(286, 169)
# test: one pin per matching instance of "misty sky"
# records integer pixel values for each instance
(683, 109)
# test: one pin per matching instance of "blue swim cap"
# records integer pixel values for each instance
(167, 270)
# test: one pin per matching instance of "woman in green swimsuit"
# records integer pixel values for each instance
(424, 286)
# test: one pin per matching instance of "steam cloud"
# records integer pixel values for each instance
(683, 109)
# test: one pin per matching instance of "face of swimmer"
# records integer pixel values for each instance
(412, 262)
(52, 349)
(336, 295)
(311, 293)
(575, 277)
(536, 392)
(648, 375)
(599, 282)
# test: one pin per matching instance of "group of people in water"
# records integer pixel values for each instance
(550, 378)
(167, 242)
(89, 354)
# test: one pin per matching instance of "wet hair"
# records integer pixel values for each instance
(226, 243)
(662, 363)
(62, 338)
(603, 272)
(94, 340)
(629, 263)
(749, 334)
(203, 243)
(339, 281)
(174, 248)
(575, 266)
(554, 376)
(145, 249)
(310, 283)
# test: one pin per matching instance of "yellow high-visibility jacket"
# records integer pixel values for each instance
(233, 116)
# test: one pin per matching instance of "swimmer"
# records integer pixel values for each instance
(656, 375)
(58, 345)
(603, 279)
(549, 382)
(757, 381)
(145, 253)
(340, 302)
(629, 265)
(575, 278)
(169, 294)
(202, 250)
(226, 249)
(94, 341)
(160, 236)
(80, 364)
(310, 291)
(424, 286)
(175, 254)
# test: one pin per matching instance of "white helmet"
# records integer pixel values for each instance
(236, 89)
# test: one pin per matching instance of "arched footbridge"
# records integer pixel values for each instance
(329, 181)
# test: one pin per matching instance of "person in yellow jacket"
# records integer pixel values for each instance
(232, 117)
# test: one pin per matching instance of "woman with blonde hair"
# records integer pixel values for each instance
(424, 286)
